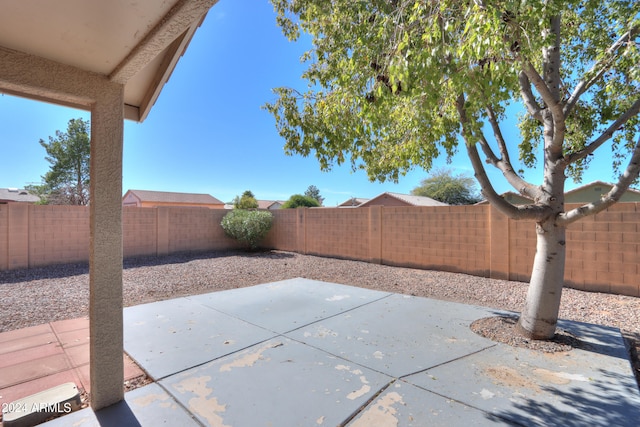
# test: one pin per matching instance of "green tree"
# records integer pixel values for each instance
(67, 181)
(300, 201)
(394, 83)
(246, 201)
(248, 227)
(444, 186)
(313, 192)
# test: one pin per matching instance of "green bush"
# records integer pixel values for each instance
(248, 227)
(246, 201)
(299, 201)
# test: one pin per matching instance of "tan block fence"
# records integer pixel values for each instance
(602, 250)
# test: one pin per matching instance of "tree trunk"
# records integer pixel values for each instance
(540, 314)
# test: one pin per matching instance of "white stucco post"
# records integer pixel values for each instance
(105, 265)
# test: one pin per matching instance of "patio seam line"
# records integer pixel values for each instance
(144, 371)
(337, 356)
(72, 367)
(27, 348)
(66, 358)
(339, 314)
(301, 326)
(208, 361)
(402, 377)
(484, 411)
(41, 376)
(367, 403)
(233, 317)
(179, 403)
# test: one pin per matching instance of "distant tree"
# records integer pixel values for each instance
(313, 192)
(444, 186)
(300, 201)
(38, 190)
(67, 182)
(248, 227)
(246, 201)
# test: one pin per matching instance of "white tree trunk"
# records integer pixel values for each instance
(540, 314)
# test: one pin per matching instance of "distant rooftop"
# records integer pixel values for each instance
(406, 198)
(173, 197)
(17, 195)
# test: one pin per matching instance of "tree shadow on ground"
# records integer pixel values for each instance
(616, 403)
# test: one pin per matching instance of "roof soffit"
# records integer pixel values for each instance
(136, 43)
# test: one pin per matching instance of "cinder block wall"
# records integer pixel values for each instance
(284, 231)
(602, 251)
(58, 234)
(197, 229)
(340, 233)
(139, 231)
(4, 237)
(452, 238)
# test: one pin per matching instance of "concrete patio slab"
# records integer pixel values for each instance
(593, 387)
(399, 335)
(390, 361)
(289, 304)
(166, 337)
(276, 383)
(146, 406)
(403, 404)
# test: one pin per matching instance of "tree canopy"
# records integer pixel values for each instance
(67, 181)
(313, 192)
(300, 201)
(246, 201)
(394, 83)
(443, 185)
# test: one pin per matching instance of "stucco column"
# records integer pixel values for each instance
(105, 265)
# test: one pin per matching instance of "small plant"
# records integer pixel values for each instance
(248, 227)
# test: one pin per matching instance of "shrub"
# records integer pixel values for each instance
(248, 227)
(298, 201)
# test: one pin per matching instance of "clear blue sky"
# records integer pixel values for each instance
(207, 132)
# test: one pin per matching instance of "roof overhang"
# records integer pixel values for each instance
(135, 43)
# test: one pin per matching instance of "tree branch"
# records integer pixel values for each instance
(531, 211)
(606, 135)
(497, 132)
(538, 82)
(527, 96)
(534, 212)
(504, 164)
(602, 66)
(626, 179)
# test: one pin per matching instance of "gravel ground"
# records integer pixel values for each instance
(40, 295)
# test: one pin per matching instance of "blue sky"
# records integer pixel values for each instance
(207, 132)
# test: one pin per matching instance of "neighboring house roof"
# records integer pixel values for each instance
(353, 202)
(406, 199)
(17, 195)
(584, 194)
(596, 189)
(269, 204)
(171, 197)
